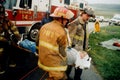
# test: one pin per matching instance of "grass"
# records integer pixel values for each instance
(106, 61)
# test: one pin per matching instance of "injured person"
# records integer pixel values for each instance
(78, 58)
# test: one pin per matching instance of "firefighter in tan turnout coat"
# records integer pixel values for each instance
(79, 35)
(52, 44)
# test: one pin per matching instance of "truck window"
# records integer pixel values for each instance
(10, 4)
(67, 2)
(81, 5)
(25, 3)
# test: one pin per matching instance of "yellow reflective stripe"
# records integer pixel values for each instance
(48, 45)
(87, 35)
(1, 49)
(60, 68)
(1, 38)
(13, 28)
(16, 32)
(77, 37)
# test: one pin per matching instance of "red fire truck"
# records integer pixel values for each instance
(28, 13)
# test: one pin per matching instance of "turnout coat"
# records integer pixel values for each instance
(76, 31)
(52, 45)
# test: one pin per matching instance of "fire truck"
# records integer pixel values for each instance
(27, 14)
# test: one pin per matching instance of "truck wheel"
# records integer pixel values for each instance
(33, 33)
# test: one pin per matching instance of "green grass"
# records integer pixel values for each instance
(106, 61)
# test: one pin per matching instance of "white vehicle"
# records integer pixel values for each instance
(91, 19)
(115, 20)
(99, 18)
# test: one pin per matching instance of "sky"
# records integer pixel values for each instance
(104, 1)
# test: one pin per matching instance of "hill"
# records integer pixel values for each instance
(106, 10)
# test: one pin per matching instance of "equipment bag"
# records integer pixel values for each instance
(27, 44)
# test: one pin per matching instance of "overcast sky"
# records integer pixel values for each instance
(104, 1)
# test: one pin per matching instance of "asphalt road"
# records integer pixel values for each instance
(88, 74)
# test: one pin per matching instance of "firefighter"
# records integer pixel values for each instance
(8, 35)
(52, 44)
(47, 18)
(78, 34)
(97, 26)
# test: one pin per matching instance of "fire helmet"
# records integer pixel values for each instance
(62, 12)
(89, 11)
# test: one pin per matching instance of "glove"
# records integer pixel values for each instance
(73, 45)
(18, 42)
(9, 42)
(13, 38)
